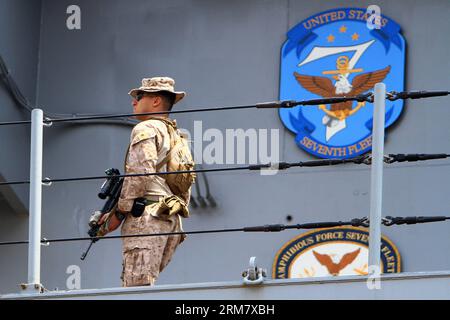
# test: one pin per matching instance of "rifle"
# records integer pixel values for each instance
(110, 189)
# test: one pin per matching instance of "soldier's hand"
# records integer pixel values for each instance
(108, 223)
(104, 218)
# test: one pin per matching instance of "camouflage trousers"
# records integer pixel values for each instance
(145, 257)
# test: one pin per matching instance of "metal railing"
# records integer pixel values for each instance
(376, 161)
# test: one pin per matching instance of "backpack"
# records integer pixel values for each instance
(179, 158)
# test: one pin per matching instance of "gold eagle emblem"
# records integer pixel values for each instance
(324, 87)
(332, 267)
(335, 117)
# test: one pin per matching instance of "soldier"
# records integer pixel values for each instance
(156, 145)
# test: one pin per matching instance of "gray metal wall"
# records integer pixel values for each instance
(19, 42)
(221, 53)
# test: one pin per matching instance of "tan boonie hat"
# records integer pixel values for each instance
(158, 84)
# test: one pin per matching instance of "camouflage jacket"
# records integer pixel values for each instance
(149, 144)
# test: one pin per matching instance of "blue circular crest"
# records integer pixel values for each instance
(336, 53)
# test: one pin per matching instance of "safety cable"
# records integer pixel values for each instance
(273, 166)
(393, 95)
(364, 159)
(265, 228)
(263, 105)
(368, 97)
(18, 96)
(356, 222)
(401, 157)
(390, 221)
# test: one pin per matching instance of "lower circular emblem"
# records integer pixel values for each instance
(332, 252)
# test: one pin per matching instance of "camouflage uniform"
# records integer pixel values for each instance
(145, 257)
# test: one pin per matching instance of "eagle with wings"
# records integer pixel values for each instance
(332, 267)
(334, 118)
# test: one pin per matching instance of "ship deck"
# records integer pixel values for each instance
(413, 285)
